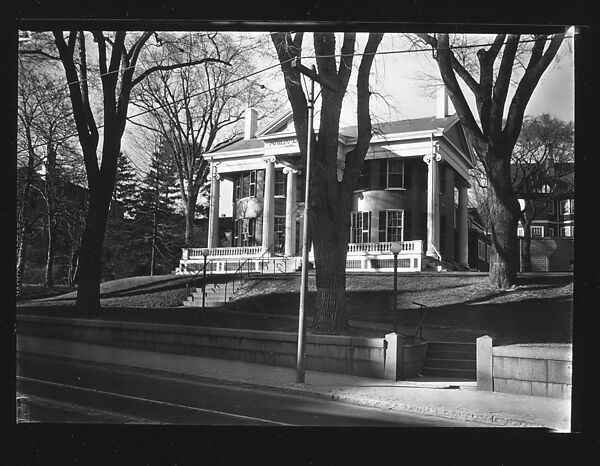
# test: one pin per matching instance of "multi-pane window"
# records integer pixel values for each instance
(551, 207)
(245, 185)
(391, 222)
(360, 227)
(394, 173)
(537, 230)
(280, 183)
(394, 225)
(244, 232)
(520, 231)
(279, 234)
(551, 232)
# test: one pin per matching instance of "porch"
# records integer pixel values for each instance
(362, 257)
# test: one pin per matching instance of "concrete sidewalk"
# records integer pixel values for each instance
(457, 400)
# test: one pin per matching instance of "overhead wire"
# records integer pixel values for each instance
(276, 65)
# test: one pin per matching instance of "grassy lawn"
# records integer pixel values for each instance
(461, 306)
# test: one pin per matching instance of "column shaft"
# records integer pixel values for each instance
(433, 208)
(268, 206)
(213, 214)
(462, 255)
(290, 213)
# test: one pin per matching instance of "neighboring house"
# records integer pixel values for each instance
(552, 230)
(480, 243)
(412, 190)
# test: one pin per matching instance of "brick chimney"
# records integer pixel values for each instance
(250, 119)
(442, 102)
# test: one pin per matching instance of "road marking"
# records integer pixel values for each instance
(164, 403)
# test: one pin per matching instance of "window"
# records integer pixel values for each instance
(391, 223)
(394, 225)
(481, 250)
(279, 234)
(243, 232)
(442, 171)
(520, 231)
(364, 177)
(245, 185)
(360, 227)
(442, 235)
(551, 232)
(567, 206)
(551, 207)
(567, 231)
(394, 173)
(537, 231)
(280, 183)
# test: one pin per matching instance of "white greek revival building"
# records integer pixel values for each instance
(412, 190)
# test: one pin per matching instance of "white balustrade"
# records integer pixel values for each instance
(384, 248)
(244, 251)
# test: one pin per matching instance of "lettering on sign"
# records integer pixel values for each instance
(281, 142)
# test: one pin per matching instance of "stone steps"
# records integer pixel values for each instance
(451, 360)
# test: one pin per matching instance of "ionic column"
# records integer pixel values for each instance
(462, 254)
(268, 204)
(290, 211)
(213, 214)
(433, 202)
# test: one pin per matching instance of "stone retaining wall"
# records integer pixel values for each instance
(358, 356)
(527, 369)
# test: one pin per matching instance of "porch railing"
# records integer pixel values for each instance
(407, 246)
(196, 253)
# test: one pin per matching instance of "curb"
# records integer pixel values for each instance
(485, 419)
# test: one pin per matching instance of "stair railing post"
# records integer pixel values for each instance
(205, 253)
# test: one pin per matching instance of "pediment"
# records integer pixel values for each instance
(282, 123)
(455, 133)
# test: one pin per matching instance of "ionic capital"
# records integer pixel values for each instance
(269, 159)
(287, 170)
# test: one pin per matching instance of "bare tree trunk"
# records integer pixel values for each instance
(190, 213)
(330, 249)
(90, 258)
(51, 230)
(21, 257)
(153, 245)
(504, 219)
(525, 248)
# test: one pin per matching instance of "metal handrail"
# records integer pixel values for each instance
(422, 320)
(187, 285)
(232, 279)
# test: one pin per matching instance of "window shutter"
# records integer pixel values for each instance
(407, 174)
(383, 173)
(382, 226)
(407, 234)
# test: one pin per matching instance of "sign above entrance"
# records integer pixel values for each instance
(280, 142)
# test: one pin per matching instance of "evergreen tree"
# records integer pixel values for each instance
(157, 217)
(126, 186)
(122, 236)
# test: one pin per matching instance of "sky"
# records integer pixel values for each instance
(401, 92)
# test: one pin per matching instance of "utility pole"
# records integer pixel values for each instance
(312, 74)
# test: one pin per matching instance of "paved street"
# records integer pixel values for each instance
(64, 391)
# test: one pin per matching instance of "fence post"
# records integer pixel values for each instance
(393, 368)
(485, 367)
